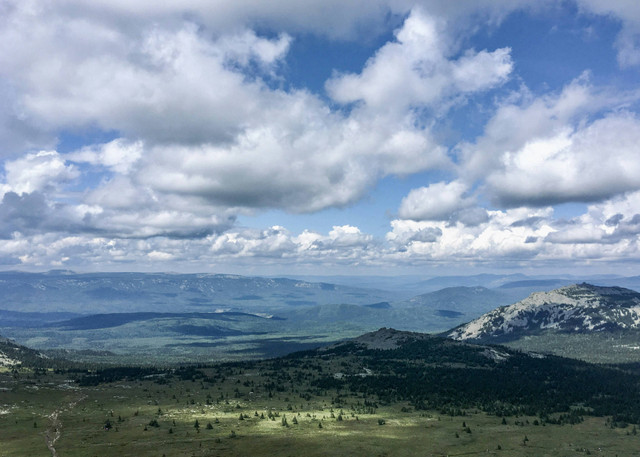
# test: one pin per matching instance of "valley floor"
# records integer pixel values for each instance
(47, 414)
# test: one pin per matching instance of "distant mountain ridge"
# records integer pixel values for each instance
(66, 291)
(576, 308)
(469, 301)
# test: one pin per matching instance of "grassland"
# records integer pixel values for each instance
(262, 410)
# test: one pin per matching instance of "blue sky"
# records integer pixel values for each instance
(320, 137)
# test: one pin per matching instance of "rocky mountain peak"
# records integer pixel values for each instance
(575, 308)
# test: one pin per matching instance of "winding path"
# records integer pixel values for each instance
(54, 430)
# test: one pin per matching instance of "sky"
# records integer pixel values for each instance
(320, 136)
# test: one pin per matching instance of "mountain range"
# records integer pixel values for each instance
(211, 316)
(209, 332)
(90, 293)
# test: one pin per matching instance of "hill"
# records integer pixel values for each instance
(577, 308)
(579, 320)
(14, 355)
(432, 372)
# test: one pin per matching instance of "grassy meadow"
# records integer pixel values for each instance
(244, 413)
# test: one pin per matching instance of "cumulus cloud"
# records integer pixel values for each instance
(299, 169)
(607, 231)
(405, 233)
(341, 237)
(522, 118)
(591, 163)
(300, 156)
(35, 200)
(341, 242)
(514, 235)
(18, 132)
(118, 155)
(615, 221)
(198, 119)
(242, 49)
(206, 128)
(19, 213)
(166, 86)
(472, 216)
(438, 201)
(415, 70)
(497, 238)
(333, 18)
(575, 145)
(39, 171)
(204, 136)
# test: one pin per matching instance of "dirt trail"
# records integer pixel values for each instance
(54, 430)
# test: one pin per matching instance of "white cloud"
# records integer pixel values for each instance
(499, 238)
(522, 118)
(17, 131)
(119, 155)
(318, 160)
(119, 193)
(405, 232)
(606, 232)
(613, 222)
(514, 235)
(592, 163)
(576, 145)
(438, 201)
(159, 255)
(415, 70)
(345, 236)
(165, 86)
(341, 242)
(37, 172)
(482, 70)
(196, 123)
(35, 200)
(208, 128)
(242, 48)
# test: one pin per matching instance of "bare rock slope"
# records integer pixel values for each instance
(577, 308)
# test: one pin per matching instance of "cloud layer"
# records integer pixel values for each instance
(199, 126)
